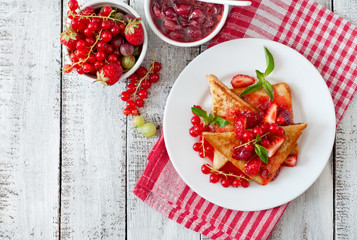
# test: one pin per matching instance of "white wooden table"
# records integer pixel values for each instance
(69, 158)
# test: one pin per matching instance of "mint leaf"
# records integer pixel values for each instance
(201, 113)
(252, 88)
(220, 121)
(260, 75)
(261, 152)
(258, 138)
(268, 89)
(211, 117)
(270, 62)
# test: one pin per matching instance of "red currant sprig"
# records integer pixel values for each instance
(137, 89)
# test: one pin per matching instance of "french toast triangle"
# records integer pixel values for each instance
(223, 99)
(225, 142)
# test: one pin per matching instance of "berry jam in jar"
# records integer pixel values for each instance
(185, 20)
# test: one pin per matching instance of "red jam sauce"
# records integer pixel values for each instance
(185, 20)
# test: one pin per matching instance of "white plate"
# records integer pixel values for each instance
(312, 104)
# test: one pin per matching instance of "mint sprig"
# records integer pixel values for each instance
(262, 82)
(209, 119)
(260, 150)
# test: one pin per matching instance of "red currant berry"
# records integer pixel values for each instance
(205, 169)
(198, 129)
(81, 44)
(236, 182)
(125, 96)
(82, 52)
(87, 67)
(92, 58)
(225, 182)
(130, 104)
(101, 46)
(113, 58)
(146, 84)
(105, 25)
(209, 148)
(73, 57)
(245, 183)
(154, 77)
(214, 178)
(106, 36)
(98, 65)
(67, 68)
(257, 130)
(248, 136)
(202, 154)
(141, 71)
(280, 132)
(139, 102)
(127, 111)
(70, 14)
(73, 5)
(80, 70)
(143, 93)
(131, 88)
(273, 128)
(193, 133)
(197, 146)
(195, 120)
(135, 111)
(90, 41)
(115, 30)
(280, 120)
(249, 147)
(157, 67)
(93, 26)
(88, 32)
(122, 26)
(106, 10)
(88, 10)
(133, 78)
(265, 127)
(265, 142)
(100, 55)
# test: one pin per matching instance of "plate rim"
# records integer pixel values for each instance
(329, 148)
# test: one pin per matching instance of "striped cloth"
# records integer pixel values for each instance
(325, 39)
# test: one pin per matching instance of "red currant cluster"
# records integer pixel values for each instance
(96, 37)
(227, 179)
(205, 149)
(137, 89)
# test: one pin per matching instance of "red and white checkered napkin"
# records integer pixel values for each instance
(326, 40)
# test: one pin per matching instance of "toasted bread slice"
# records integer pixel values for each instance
(223, 99)
(225, 142)
(282, 97)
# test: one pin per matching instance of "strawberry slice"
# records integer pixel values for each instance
(252, 166)
(274, 145)
(240, 80)
(270, 115)
(291, 160)
(240, 123)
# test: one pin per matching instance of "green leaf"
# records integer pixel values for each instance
(220, 121)
(260, 75)
(252, 88)
(211, 117)
(270, 62)
(261, 152)
(258, 138)
(201, 113)
(268, 89)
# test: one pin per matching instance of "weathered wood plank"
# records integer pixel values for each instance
(143, 221)
(93, 160)
(346, 151)
(29, 119)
